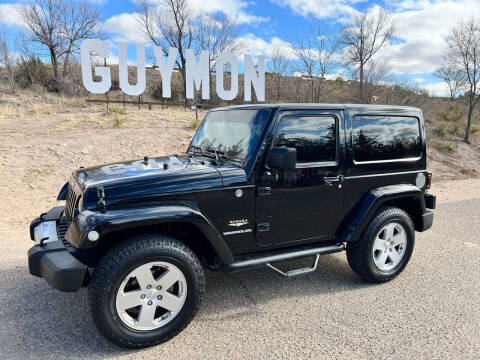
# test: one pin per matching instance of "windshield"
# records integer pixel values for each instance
(232, 133)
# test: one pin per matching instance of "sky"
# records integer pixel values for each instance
(413, 53)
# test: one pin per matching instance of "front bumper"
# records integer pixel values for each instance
(50, 258)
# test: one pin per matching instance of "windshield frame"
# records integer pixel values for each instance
(242, 162)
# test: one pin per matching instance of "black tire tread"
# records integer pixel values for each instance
(358, 252)
(112, 262)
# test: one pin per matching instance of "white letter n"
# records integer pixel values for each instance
(252, 78)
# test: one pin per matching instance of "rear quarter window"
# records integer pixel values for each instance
(377, 138)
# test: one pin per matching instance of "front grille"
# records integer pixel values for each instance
(62, 227)
(73, 198)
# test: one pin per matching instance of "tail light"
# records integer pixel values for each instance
(429, 180)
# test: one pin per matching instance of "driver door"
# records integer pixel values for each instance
(304, 204)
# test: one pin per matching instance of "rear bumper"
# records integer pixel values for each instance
(427, 216)
(50, 259)
(427, 220)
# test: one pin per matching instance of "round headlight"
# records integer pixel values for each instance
(420, 181)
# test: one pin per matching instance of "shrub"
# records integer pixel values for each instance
(31, 72)
(156, 91)
(474, 130)
(457, 128)
(446, 146)
(441, 130)
(118, 121)
(117, 110)
(195, 123)
(77, 103)
(441, 116)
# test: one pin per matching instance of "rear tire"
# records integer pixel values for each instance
(384, 248)
(129, 305)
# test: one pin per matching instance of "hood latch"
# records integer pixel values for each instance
(101, 196)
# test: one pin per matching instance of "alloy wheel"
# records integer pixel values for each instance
(151, 296)
(389, 246)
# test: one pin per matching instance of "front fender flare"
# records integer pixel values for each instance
(119, 219)
(353, 225)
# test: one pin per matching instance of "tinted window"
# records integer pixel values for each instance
(385, 138)
(313, 137)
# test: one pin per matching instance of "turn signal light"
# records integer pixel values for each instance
(429, 180)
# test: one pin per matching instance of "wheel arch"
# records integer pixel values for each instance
(183, 221)
(404, 196)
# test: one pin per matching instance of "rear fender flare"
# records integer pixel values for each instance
(355, 222)
(120, 219)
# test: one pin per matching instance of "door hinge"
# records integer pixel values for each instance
(262, 191)
(263, 227)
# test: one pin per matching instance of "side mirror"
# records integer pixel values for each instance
(282, 158)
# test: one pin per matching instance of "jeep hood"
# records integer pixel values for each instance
(150, 177)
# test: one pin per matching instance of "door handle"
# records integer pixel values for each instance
(329, 180)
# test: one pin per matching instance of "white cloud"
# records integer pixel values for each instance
(10, 16)
(234, 9)
(126, 27)
(321, 9)
(437, 89)
(422, 27)
(257, 46)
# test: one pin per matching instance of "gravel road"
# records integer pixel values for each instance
(431, 311)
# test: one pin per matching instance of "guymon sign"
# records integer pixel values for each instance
(197, 72)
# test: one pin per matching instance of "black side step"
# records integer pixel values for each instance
(266, 260)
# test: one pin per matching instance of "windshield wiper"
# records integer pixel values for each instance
(202, 151)
(222, 155)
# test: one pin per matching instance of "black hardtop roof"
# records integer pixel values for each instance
(353, 108)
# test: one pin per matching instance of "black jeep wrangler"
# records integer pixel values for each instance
(259, 185)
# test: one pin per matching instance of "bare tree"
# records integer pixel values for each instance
(79, 21)
(317, 56)
(363, 39)
(464, 49)
(59, 26)
(43, 19)
(376, 73)
(216, 34)
(7, 56)
(279, 65)
(173, 23)
(452, 75)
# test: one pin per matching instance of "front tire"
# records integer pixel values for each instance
(145, 290)
(384, 248)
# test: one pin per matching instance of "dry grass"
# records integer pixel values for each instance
(441, 130)
(446, 147)
(457, 129)
(7, 112)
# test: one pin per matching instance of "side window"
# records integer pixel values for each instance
(314, 137)
(386, 138)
